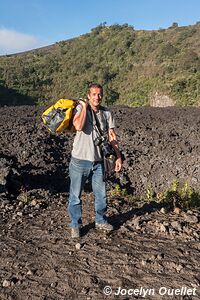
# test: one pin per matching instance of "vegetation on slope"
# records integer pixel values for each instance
(132, 66)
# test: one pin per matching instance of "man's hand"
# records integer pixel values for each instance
(118, 164)
(83, 102)
(79, 119)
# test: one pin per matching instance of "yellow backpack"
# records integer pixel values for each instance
(59, 117)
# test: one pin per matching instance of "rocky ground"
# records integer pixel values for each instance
(153, 253)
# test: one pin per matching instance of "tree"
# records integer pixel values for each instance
(174, 25)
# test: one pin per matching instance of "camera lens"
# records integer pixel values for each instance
(106, 148)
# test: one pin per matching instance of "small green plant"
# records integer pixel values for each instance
(117, 191)
(171, 196)
(190, 198)
(174, 185)
(149, 194)
(182, 196)
(185, 194)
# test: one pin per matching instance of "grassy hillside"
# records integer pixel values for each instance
(132, 65)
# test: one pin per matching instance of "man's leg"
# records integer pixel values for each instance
(78, 171)
(99, 189)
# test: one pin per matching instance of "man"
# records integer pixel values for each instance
(87, 160)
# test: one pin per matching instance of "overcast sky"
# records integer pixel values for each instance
(31, 24)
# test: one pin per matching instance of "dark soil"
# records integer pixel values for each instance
(150, 247)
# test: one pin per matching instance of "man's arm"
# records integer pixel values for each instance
(79, 119)
(113, 141)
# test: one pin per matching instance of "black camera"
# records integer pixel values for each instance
(105, 146)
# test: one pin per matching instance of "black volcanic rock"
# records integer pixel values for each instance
(150, 245)
(159, 145)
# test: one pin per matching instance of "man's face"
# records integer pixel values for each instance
(95, 96)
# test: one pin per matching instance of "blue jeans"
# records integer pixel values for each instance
(80, 171)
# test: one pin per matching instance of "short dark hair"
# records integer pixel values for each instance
(95, 85)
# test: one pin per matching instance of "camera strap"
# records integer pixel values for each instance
(109, 162)
(96, 122)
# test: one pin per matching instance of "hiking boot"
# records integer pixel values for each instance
(75, 232)
(104, 226)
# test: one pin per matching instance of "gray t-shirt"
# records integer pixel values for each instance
(83, 146)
